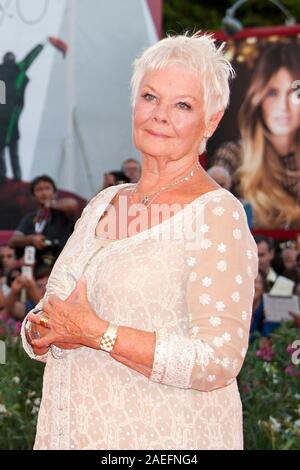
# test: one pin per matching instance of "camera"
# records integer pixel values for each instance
(52, 243)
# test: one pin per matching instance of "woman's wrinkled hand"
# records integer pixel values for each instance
(39, 331)
(70, 322)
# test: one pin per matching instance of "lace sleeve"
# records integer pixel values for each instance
(59, 281)
(222, 265)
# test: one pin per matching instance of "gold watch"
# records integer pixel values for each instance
(109, 338)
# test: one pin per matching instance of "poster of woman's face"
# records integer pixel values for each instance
(258, 142)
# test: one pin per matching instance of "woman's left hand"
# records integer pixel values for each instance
(70, 321)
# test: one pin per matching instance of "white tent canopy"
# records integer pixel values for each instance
(76, 123)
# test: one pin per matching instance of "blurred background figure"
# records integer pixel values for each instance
(257, 319)
(23, 292)
(41, 275)
(49, 227)
(266, 252)
(221, 176)
(290, 265)
(132, 169)
(114, 177)
(8, 258)
(278, 275)
(14, 75)
(8, 261)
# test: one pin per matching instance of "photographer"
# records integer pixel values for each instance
(48, 228)
(13, 303)
(25, 292)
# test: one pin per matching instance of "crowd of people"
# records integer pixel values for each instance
(281, 266)
(45, 231)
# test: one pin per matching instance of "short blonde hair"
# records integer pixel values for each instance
(197, 53)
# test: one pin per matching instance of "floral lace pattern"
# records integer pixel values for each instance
(196, 297)
(219, 291)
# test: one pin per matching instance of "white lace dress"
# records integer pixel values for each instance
(196, 296)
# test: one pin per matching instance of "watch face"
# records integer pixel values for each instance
(109, 338)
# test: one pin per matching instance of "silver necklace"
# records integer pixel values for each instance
(148, 198)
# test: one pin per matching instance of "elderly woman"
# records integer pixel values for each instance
(144, 325)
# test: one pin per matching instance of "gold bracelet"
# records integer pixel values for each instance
(109, 338)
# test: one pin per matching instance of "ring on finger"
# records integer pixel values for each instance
(44, 321)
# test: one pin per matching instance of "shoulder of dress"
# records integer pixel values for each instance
(103, 196)
(100, 196)
(219, 202)
(217, 196)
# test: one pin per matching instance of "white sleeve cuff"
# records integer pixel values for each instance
(174, 360)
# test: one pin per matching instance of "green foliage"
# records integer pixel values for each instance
(206, 15)
(20, 395)
(270, 395)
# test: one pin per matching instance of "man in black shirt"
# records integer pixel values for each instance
(48, 228)
(13, 74)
